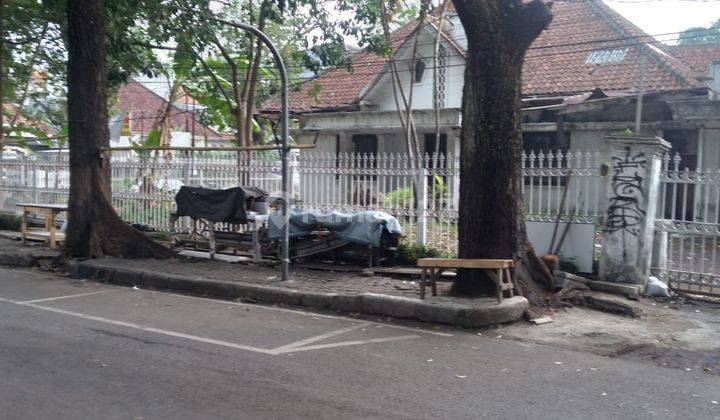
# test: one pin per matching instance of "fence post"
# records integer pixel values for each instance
(659, 252)
(34, 181)
(633, 185)
(294, 174)
(422, 205)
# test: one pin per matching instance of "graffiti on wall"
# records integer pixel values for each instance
(625, 212)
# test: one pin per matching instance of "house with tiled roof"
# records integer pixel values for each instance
(581, 80)
(141, 103)
(702, 58)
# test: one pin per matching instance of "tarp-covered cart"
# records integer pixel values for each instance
(316, 233)
(372, 235)
(209, 209)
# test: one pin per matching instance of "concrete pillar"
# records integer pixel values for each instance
(633, 185)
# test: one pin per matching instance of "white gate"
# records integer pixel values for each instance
(688, 229)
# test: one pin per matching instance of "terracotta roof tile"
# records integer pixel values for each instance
(146, 107)
(597, 30)
(592, 26)
(340, 87)
(697, 56)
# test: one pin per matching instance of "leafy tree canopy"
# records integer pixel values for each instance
(699, 35)
(141, 34)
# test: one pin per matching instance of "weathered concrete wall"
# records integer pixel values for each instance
(578, 245)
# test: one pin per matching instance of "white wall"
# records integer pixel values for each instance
(579, 243)
(381, 96)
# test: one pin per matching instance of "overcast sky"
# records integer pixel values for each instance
(664, 16)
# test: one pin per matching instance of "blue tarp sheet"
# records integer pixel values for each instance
(363, 227)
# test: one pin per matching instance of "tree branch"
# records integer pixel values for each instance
(233, 68)
(154, 47)
(215, 79)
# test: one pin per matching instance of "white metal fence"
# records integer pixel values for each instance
(566, 183)
(688, 228)
(421, 192)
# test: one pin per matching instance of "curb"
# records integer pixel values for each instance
(23, 259)
(461, 314)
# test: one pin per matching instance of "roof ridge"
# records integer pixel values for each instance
(695, 44)
(682, 72)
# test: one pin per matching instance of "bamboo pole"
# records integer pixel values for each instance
(206, 149)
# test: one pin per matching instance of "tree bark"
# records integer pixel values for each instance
(491, 224)
(2, 78)
(94, 229)
(251, 77)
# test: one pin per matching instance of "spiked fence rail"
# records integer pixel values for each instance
(422, 192)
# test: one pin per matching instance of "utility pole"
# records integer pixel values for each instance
(641, 92)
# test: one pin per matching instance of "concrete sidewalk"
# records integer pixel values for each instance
(330, 290)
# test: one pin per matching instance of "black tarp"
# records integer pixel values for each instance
(226, 206)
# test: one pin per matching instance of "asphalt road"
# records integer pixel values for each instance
(72, 350)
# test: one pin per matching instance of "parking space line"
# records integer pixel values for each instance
(68, 296)
(320, 337)
(143, 328)
(306, 313)
(302, 345)
(347, 343)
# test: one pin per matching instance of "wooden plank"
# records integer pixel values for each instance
(464, 263)
(205, 149)
(43, 235)
(407, 271)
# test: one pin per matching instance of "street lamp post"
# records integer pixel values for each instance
(285, 150)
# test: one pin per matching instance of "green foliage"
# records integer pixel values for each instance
(404, 198)
(409, 253)
(152, 140)
(9, 222)
(314, 93)
(400, 198)
(440, 189)
(699, 35)
(568, 265)
(308, 33)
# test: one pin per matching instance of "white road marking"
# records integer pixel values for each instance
(68, 296)
(321, 337)
(293, 347)
(145, 328)
(347, 343)
(306, 313)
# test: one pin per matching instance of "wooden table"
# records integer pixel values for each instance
(50, 211)
(498, 270)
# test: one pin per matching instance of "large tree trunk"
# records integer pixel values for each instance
(491, 224)
(94, 229)
(2, 77)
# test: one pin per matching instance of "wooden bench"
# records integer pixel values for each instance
(50, 212)
(500, 271)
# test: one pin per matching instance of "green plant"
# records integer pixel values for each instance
(9, 222)
(568, 265)
(400, 198)
(441, 188)
(409, 253)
